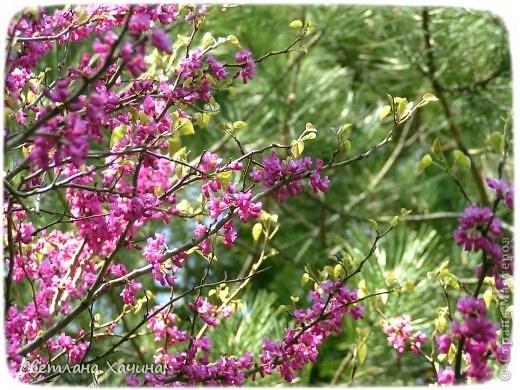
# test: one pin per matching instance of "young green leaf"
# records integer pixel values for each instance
(437, 148)
(239, 124)
(184, 127)
(297, 148)
(257, 231)
(426, 161)
(497, 142)
(383, 113)
(461, 158)
(362, 353)
(346, 146)
(118, 133)
(295, 24)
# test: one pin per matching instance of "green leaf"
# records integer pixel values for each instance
(488, 296)
(174, 145)
(234, 40)
(134, 113)
(430, 97)
(497, 142)
(184, 127)
(383, 113)
(437, 148)
(224, 177)
(394, 221)
(440, 324)
(391, 99)
(207, 39)
(202, 119)
(346, 146)
(118, 133)
(26, 150)
(329, 270)
(296, 24)
(383, 296)
(426, 161)
(390, 278)
(308, 136)
(144, 118)
(256, 231)
(297, 148)
(310, 127)
(362, 353)
(405, 112)
(427, 98)
(405, 212)
(305, 278)
(409, 285)
(344, 128)
(338, 269)
(373, 223)
(461, 158)
(239, 124)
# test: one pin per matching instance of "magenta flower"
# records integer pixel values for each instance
(503, 190)
(471, 228)
(247, 72)
(446, 376)
(400, 333)
(444, 343)
(161, 40)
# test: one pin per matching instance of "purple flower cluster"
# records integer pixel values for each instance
(480, 340)
(330, 302)
(446, 376)
(75, 350)
(503, 190)
(400, 333)
(217, 70)
(472, 227)
(128, 293)
(275, 172)
(247, 71)
(74, 145)
(205, 310)
(161, 40)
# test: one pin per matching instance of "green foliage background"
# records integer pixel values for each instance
(353, 58)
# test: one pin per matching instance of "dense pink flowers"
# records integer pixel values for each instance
(444, 343)
(205, 310)
(479, 336)
(470, 233)
(154, 252)
(275, 173)
(400, 333)
(446, 376)
(75, 350)
(503, 190)
(329, 304)
(247, 72)
(217, 70)
(300, 345)
(161, 40)
(128, 293)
